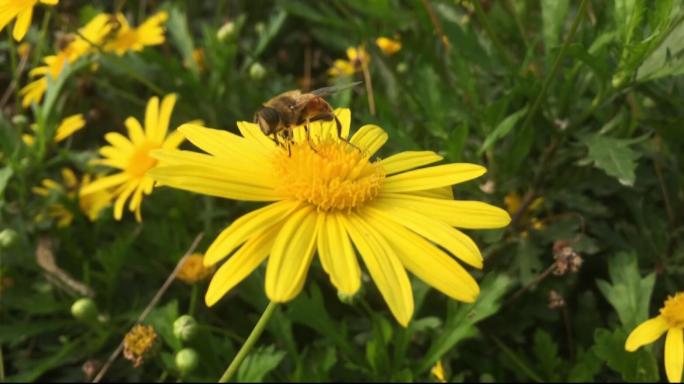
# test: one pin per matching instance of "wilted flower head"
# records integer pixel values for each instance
(193, 270)
(139, 343)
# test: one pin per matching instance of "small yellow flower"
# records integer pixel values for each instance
(670, 320)
(199, 58)
(193, 270)
(139, 343)
(388, 46)
(90, 205)
(93, 33)
(24, 49)
(131, 155)
(438, 372)
(333, 197)
(357, 58)
(128, 39)
(22, 10)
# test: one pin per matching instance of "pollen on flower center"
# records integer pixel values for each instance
(673, 310)
(333, 175)
(140, 162)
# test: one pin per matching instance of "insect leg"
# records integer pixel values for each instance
(308, 135)
(338, 125)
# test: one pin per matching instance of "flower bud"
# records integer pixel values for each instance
(19, 120)
(187, 360)
(257, 71)
(7, 237)
(84, 309)
(185, 328)
(226, 31)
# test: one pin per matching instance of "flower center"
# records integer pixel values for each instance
(141, 162)
(333, 175)
(673, 310)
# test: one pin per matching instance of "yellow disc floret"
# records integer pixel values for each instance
(330, 174)
(673, 310)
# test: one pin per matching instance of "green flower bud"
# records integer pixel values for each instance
(402, 67)
(187, 360)
(226, 31)
(7, 237)
(257, 71)
(85, 310)
(185, 328)
(19, 120)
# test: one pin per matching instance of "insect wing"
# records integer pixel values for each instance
(336, 88)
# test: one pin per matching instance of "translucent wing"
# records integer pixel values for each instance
(330, 90)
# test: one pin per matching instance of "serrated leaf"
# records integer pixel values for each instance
(614, 156)
(633, 366)
(503, 128)
(628, 292)
(259, 363)
(546, 354)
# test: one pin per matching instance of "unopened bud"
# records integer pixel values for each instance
(187, 360)
(85, 310)
(19, 120)
(185, 328)
(226, 31)
(8, 236)
(257, 71)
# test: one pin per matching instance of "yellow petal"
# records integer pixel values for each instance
(337, 254)
(50, 2)
(229, 184)
(432, 177)
(404, 161)
(344, 116)
(674, 355)
(241, 264)
(135, 130)
(426, 261)
(119, 141)
(646, 333)
(451, 239)
(446, 193)
(152, 118)
(167, 105)
(224, 144)
(173, 140)
(369, 138)
(384, 267)
(245, 227)
(22, 24)
(121, 200)
(291, 256)
(252, 132)
(104, 183)
(69, 126)
(457, 213)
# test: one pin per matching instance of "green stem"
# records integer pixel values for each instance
(556, 65)
(2, 367)
(193, 300)
(41, 40)
(251, 340)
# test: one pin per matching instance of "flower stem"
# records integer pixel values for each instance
(249, 343)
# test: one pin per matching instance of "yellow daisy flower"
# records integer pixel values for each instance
(670, 320)
(357, 58)
(22, 10)
(67, 127)
(331, 197)
(92, 33)
(388, 46)
(131, 155)
(90, 205)
(127, 39)
(193, 270)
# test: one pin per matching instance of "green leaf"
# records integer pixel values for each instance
(259, 363)
(503, 129)
(461, 318)
(5, 175)
(667, 59)
(633, 366)
(587, 367)
(177, 25)
(614, 156)
(546, 354)
(553, 17)
(162, 318)
(628, 292)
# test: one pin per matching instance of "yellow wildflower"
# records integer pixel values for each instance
(388, 46)
(67, 127)
(131, 155)
(193, 270)
(327, 195)
(90, 205)
(139, 343)
(92, 33)
(22, 10)
(148, 33)
(24, 49)
(357, 58)
(670, 320)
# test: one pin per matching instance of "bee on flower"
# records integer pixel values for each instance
(327, 195)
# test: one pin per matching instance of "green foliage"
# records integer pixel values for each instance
(592, 149)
